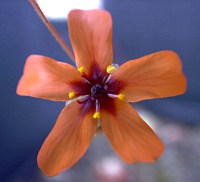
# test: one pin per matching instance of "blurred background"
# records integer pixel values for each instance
(140, 27)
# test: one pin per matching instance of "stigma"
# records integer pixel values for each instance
(119, 96)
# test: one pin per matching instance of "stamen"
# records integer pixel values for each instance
(71, 95)
(108, 78)
(96, 115)
(97, 105)
(110, 69)
(83, 99)
(86, 78)
(80, 98)
(81, 69)
(119, 96)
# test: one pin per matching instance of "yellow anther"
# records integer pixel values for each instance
(96, 115)
(71, 95)
(120, 96)
(81, 69)
(110, 69)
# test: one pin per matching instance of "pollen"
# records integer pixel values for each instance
(71, 95)
(110, 69)
(120, 96)
(81, 69)
(96, 115)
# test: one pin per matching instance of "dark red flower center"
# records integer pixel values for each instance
(98, 89)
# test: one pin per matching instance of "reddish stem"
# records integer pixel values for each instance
(52, 29)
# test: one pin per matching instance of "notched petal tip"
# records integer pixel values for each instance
(79, 12)
(182, 82)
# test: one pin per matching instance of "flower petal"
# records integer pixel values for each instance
(68, 140)
(153, 76)
(91, 37)
(46, 78)
(129, 135)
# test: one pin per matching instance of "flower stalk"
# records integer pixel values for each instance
(52, 29)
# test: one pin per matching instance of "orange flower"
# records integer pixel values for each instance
(97, 94)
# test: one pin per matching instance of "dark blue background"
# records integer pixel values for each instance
(140, 27)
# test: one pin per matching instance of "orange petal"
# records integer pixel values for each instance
(129, 135)
(46, 78)
(68, 140)
(153, 76)
(91, 36)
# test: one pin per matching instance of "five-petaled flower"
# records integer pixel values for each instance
(97, 94)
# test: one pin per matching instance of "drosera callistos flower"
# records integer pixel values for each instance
(97, 93)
